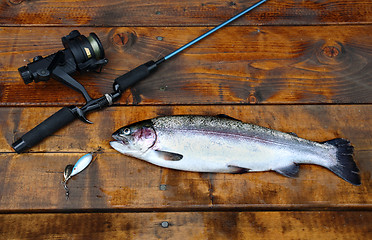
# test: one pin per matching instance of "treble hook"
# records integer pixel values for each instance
(67, 176)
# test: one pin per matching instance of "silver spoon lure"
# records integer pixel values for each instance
(72, 170)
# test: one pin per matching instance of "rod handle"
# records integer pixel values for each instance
(49, 126)
(132, 77)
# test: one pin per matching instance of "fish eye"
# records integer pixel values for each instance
(126, 131)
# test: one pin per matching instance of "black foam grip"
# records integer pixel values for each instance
(44, 129)
(132, 77)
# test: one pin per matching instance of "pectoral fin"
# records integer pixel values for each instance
(169, 156)
(289, 171)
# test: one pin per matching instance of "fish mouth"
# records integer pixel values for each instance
(117, 146)
(121, 140)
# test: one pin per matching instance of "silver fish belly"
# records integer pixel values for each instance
(221, 144)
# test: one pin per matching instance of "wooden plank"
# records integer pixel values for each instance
(198, 225)
(276, 65)
(314, 122)
(181, 13)
(32, 181)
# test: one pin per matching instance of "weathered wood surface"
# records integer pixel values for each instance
(313, 122)
(32, 181)
(181, 225)
(181, 13)
(281, 56)
(239, 65)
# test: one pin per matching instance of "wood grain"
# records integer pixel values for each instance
(287, 65)
(181, 13)
(238, 65)
(31, 181)
(313, 122)
(198, 225)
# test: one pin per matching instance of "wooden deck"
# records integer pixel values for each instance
(295, 66)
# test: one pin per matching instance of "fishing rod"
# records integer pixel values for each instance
(86, 54)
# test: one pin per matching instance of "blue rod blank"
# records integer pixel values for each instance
(213, 30)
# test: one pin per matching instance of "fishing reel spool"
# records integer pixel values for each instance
(81, 54)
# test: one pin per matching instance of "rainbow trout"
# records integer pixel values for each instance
(226, 145)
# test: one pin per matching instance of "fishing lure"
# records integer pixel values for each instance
(72, 170)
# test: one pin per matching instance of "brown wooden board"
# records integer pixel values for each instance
(313, 122)
(198, 225)
(181, 13)
(238, 65)
(31, 181)
(295, 66)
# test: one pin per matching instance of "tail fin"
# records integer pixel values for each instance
(345, 168)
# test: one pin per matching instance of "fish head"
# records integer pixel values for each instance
(134, 139)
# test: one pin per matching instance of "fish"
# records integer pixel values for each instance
(221, 144)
